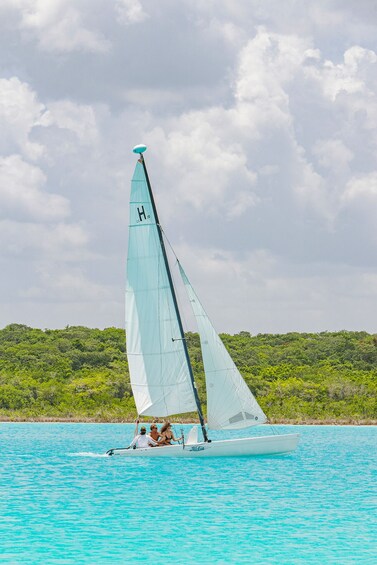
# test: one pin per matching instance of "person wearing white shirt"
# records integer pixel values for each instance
(142, 440)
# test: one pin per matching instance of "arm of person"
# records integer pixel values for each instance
(151, 441)
(176, 438)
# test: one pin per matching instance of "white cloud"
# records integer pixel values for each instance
(217, 276)
(333, 154)
(348, 77)
(309, 186)
(362, 188)
(130, 11)
(22, 115)
(29, 239)
(20, 111)
(212, 153)
(58, 25)
(22, 195)
(261, 292)
(262, 116)
(78, 118)
(267, 63)
(271, 65)
(350, 84)
(202, 161)
(72, 285)
(207, 151)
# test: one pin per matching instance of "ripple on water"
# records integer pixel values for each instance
(64, 501)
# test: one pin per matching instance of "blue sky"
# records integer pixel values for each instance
(260, 119)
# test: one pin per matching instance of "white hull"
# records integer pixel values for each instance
(263, 445)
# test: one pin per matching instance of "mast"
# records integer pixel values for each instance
(139, 149)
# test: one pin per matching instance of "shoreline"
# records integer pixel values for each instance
(277, 422)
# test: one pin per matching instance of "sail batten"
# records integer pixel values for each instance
(159, 372)
(230, 403)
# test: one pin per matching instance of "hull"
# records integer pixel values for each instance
(243, 447)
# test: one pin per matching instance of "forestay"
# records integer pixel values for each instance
(159, 372)
(230, 404)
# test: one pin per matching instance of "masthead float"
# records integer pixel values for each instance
(139, 148)
(161, 374)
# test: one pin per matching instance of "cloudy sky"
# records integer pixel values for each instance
(260, 118)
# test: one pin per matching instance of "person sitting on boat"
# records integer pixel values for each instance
(142, 440)
(154, 433)
(167, 435)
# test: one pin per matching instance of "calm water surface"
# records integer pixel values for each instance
(62, 502)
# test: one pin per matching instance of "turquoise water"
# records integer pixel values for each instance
(61, 502)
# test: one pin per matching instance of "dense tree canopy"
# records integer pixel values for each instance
(82, 373)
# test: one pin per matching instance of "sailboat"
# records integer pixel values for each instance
(161, 374)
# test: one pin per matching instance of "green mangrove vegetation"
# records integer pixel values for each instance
(79, 373)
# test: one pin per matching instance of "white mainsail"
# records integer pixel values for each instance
(158, 367)
(230, 404)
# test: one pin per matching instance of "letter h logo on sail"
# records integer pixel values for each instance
(142, 214)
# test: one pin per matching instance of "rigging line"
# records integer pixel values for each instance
(168, 242)
(182, 311)
(179, 291)
(182, 308)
